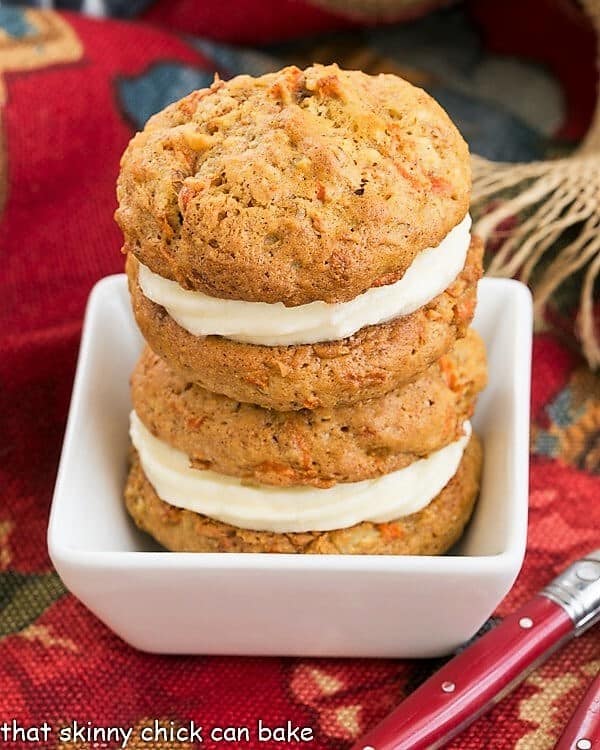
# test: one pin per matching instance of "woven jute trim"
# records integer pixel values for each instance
(559, 201)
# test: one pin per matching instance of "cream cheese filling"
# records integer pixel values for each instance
(274, 324)
(299, 508)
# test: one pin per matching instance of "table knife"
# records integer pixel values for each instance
(489, 668)
(583, 730)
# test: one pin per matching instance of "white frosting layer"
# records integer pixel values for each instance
(432, 271)
(293, 509)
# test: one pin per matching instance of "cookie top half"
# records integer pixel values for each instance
(292, 187)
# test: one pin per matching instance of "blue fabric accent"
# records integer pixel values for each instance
(546, 444)
(14, 22)
(144, 95)
(561, 411)
(231, 61)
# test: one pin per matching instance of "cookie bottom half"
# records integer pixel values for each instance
(431, 531)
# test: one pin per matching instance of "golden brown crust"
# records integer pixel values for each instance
(374, 361)
(431, 531)
(319, 447)
(293, 187)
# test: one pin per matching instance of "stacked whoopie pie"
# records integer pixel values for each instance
(300, 263)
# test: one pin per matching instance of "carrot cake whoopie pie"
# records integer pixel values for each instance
(300, 262)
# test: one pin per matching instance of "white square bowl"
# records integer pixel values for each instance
(311, 605)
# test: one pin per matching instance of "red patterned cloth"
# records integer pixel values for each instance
(73, 90)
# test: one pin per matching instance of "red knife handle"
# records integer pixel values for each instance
(473, 681)
(583, 730)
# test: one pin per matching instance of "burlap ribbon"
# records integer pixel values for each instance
(558, 233)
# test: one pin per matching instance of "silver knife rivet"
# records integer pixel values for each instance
(448, 687)
(588, 571)
(526, 622)
(584, 744)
